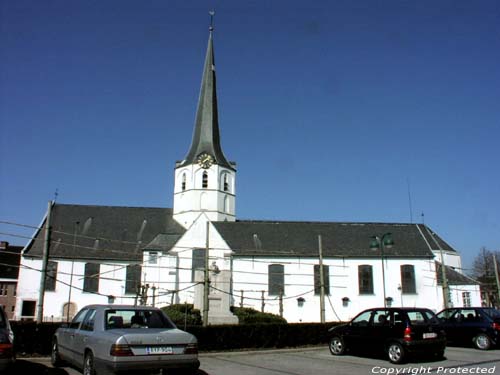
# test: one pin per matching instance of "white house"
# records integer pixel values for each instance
(100, 254)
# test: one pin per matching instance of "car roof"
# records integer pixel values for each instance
(119, 307)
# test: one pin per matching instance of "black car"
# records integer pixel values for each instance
(7, 355)
(477, 325)
(396, 332)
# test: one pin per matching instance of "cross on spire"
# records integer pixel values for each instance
(212, 14)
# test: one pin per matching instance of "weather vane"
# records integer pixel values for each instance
(212, 14)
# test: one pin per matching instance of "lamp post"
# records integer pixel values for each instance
(382, 243)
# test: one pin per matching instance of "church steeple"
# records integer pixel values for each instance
(205, 181)
(206, 136)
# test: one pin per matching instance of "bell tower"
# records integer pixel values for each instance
(205, 179)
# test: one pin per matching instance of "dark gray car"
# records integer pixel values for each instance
(7, 355)
(105, 339)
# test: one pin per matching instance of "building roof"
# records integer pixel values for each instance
(104, 232)
(206, 137)
(453, 277)
(290, 239)
(10, 257)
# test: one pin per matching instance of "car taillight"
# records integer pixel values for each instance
(407, 335)
(496, 326)
(6, 348)
(191, 349)
(120, 350)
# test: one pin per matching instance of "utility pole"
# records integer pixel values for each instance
(241, 298)
(263, 302)
(153, 288)
(206, 286)
(497, 278)
(446, 290)
(281, 302)
(321, 281)
(45, 262)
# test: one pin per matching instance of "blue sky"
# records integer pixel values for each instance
(333, 111)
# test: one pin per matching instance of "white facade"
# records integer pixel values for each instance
(111, 283)
(211, 190)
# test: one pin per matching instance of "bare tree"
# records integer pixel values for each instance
(484, 270)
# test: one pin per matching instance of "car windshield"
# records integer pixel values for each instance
(134, 318)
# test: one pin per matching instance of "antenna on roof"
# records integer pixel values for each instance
(212, 14)
(56, 194)
(423, 218)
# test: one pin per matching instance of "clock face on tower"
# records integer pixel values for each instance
(205, 160)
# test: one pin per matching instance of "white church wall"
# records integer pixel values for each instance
(250, 275)
(111, 283)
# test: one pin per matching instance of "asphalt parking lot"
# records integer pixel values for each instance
(308, 361)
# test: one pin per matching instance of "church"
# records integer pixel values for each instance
(199, 252)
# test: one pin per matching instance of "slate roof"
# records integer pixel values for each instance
(105, 232)
(206, 136)
(275, 238)
(453, 277)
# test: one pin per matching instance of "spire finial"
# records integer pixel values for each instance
(212, 14)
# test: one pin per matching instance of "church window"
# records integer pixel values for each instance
(204, 183)
(153, 257)
(466, 299)
(317, 280)
(408, 279)
(365, 279)
(51, 276)
(183, 184)
(276, 280)
(226, 183)
(198, 262)
(133, 279)
(91, 278)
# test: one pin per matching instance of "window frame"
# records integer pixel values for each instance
(90, 280)
(276, 279)
(365, 279)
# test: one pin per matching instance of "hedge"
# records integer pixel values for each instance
(32, 338)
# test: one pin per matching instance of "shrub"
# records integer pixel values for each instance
(183, 314)
(250, 316)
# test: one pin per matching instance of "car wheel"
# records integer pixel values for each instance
(55, 359)
(396, 352)
(482, 341)
(88, 364)
(337, 346)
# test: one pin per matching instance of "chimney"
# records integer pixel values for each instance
(4, 245)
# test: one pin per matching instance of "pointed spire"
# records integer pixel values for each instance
(206, 137)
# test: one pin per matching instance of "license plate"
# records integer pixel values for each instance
(430, 335)
(159, 350)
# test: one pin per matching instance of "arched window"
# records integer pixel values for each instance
(204, 183)
(183, 185)
(365, 279)
(226, 183)
(408, 285)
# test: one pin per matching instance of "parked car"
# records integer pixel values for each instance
(477, 325)
(116, 338)
(7, 355)
(395, 332)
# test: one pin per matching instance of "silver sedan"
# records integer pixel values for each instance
(104, 339)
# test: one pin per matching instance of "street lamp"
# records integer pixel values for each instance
(382, 243)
